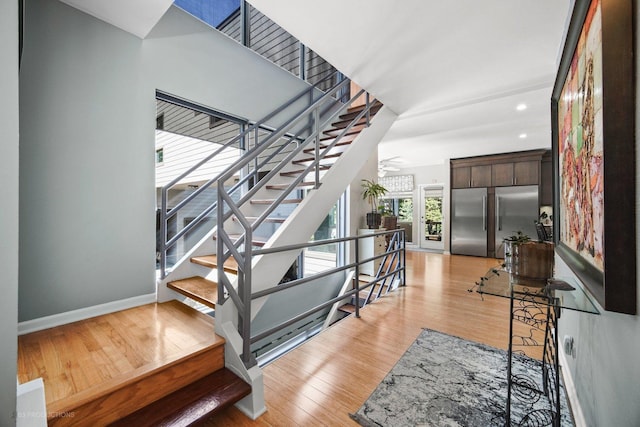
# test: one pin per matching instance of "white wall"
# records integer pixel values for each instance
(87, 198)
(606, 367)
(9, 209)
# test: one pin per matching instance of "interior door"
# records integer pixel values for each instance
(431, 217)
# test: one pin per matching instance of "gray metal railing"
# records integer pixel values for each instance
(392, 268)
(313, 120)
(291, 108)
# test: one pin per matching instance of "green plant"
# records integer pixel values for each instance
(371, 192)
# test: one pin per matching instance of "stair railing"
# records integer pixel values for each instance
(320, 115)
(167, 215)
(396, 248)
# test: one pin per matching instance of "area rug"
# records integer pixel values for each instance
(444, 380)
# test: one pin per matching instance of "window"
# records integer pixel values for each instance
(159, 155)
(160, 121)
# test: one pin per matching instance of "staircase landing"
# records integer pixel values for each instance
(104, 368)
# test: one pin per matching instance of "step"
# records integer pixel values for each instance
(271, 201)
(298, 172)
(197, 288)
(347, 138)
(276, 220)
(107, 367)
(311, 159)
(341, 124)
(322, 147)
(193, 404)
(336, 132)
(285, 186)
(255, 242)
(374, 105)
(211, 261)
(347, 308)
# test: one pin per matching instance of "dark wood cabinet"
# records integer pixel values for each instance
(546, 181)
(461, 177)
(481, 176)
(526, 173)
(502, 174)
(471, 176)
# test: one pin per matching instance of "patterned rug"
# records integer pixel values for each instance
(443, 380)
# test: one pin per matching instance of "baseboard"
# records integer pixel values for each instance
(83, 313)
(572, 395)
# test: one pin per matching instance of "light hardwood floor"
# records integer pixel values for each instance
(322, 381)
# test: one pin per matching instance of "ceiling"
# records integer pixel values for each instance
(454, 71)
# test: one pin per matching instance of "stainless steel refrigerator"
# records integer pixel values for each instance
(516, 209)
(469, 221)
(511, 209)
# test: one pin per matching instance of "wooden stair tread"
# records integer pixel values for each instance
(374, 104)
(346, 139)
(192, 404)
(347, 308)
(311, 159)
(338, 145)
(108, 366)
(270, 201)
(298, 172)
(211, 261)
(197, 288)
(337, 131)
(285, 186)
(254, 242)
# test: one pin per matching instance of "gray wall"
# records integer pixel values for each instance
(9, 209)
(87, 198)
(605, 368)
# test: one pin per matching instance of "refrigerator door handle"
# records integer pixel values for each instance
(484, 213)
(498, 216)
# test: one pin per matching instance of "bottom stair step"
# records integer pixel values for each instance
(193, 404)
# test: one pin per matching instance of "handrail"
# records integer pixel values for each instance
(166, 215)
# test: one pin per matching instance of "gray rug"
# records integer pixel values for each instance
(443, 380)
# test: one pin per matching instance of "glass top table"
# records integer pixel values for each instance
(561, 292)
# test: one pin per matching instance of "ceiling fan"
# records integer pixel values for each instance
(388, 165)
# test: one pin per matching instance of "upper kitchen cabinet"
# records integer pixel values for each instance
(471, 176)
(515, 173)
(526, 173)
(500, 170)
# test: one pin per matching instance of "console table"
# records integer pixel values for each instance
(537, 305)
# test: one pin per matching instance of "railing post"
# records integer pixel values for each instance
(163, 234)
(316, 118)
(245, 24)
(357, 276)
(367, 106)
(404, 257)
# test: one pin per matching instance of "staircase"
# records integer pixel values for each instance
(276, 194)
(203, 290)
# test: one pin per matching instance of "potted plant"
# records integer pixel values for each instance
(528, 259)
(371, 192)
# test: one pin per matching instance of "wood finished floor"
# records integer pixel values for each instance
(322, 381)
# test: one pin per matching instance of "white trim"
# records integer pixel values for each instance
(572, 395)
(83, 313)
(31, 408)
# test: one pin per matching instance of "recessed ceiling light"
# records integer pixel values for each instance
(521, 107)
(523, 135)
